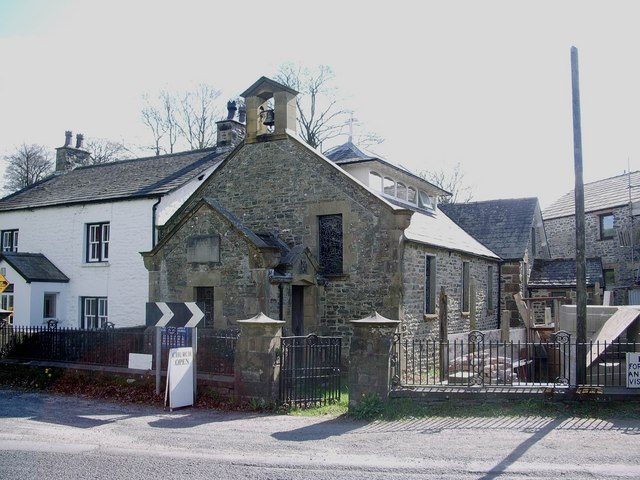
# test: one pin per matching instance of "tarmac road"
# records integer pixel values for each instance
(59, 437)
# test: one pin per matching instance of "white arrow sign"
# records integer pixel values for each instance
(197, 314)
(167, 314)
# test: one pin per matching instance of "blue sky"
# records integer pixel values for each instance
(483, 84)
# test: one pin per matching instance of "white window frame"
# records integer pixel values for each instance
(97, 242)
(95, 312)
(10, 240)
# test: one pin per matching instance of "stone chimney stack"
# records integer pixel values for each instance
(231, 132)
(68, 157)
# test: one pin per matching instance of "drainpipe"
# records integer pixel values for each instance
(500, 295)
(153, 221)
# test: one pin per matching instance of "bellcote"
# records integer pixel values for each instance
(271, 110)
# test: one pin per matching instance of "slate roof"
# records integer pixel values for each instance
(436, 229)
(126, 179)
(34, 267)
(562, 273)
(599, 195)
(504, 226)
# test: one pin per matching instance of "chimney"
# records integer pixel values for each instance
(231, 132)
(68, 157)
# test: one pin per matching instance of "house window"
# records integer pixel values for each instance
(9, 240)
(429, 284)
(98, 242)
(465, 287)
(330, 244)
(94, 312)
(49, 310)
(490, 287)
(606, 226)
(609, 277)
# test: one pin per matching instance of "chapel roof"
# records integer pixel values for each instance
(504, 226)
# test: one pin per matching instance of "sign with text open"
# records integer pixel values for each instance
(179, 385)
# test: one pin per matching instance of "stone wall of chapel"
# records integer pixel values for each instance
(241, 288)
(282, 187)
(449, 275)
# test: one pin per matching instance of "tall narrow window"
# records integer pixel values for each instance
(204, 296)
(606, 226)
(97, 242)
(95, 312)
(490, 287)
(330, 244)
(9, 240)
(429, 284)
(466, 290)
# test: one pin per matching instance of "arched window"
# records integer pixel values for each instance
(389, 186)
(401, 191)
(375, 181)
(411, 195)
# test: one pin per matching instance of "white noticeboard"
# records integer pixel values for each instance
(180, 377)
(633, 370)
(140, 361)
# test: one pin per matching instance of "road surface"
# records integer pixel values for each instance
(60, 437)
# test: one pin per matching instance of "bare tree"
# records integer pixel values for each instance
(319, 116)
(183, 118)
(452, 181)
(103, 150)
(27, 165)
(198, 116)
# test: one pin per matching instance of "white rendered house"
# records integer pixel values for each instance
(70, 245)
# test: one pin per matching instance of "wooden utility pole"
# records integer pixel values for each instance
(581, 278)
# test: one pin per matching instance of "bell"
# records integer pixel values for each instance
(269, 118)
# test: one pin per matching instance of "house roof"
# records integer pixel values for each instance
(602, 194)
(562, 273)
(504, 226)
(126, 179)
(34, 267)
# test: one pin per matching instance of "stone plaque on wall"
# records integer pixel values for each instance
(203, 249)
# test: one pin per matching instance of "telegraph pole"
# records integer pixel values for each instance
(581, 278)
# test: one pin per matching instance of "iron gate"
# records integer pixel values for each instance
(310, 370)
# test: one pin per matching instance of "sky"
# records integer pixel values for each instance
(483, 84)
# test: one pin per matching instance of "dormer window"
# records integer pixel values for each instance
(401, 191)
(389, 187)
(426, 202)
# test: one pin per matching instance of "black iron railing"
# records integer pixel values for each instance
(477, 361)
(310, 370)
(111, 346)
